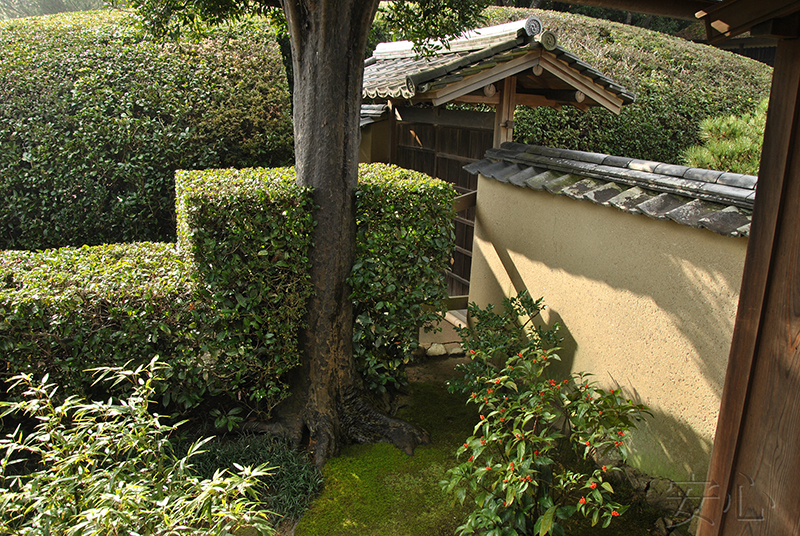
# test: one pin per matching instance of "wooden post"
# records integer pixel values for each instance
(754, 474)
(392, 131)
(504, 113)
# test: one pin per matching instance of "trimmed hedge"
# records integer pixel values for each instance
(404, 240)
(224, 307)
(67, 310)
(247, 234)
(95, 118)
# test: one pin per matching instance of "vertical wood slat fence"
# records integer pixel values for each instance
(440, 143)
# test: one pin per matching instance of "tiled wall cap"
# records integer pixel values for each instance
(705, 175)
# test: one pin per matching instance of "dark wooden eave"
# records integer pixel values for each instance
(734, 17)
(682, 9)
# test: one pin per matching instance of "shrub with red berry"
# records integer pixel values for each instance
(516, 471)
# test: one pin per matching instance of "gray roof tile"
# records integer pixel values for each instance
(630, 200)
(503, 174)
(704, 175)
(617, 161)
(720, 202)
(738, 180)
(564, 181)
(603, 194)
(671, 169)
(581, 188)
(726, 222)
(691, 213)
(660, 205)
(519, 179)
(643, 165)
(537, 182)
(398, 73)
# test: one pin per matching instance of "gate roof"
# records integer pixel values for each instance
(546, 74)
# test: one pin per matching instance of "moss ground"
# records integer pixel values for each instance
(378, 490)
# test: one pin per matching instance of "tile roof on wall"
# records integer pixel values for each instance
(395, 71)
(714, 200)
(373, 113)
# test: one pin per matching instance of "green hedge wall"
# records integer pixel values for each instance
(247, 234)
(404, 241)
(223, 307)
(95, 118)
(64, 311)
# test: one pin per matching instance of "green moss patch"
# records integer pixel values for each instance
(377, 489)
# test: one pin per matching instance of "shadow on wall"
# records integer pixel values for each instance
(692, 275)
(649, 304)
(569, 345)
(669, 438)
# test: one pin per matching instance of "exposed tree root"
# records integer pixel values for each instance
(358, 422)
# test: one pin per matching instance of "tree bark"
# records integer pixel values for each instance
(328, 39)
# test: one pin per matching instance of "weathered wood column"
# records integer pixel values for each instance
(504, 113)
(754, 476)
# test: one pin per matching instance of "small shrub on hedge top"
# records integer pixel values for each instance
(403, 246)
(95, 118)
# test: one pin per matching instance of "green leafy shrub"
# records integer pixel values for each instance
(286, 491)
(730, 143)
(95, 118)
(224, 306)
(110, 468)
(404, 226)
(677, 84)
(68, 310)
(528, 468)
(248, 233)
(224, 312)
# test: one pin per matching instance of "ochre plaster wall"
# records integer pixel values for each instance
(649, 305)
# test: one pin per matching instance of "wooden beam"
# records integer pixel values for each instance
(534, 101)
(451, 118)
(676, 9)
(483, 78)
(392, 131)
(581, 82)
(504, 113)
(733, 17)
(558, 95)
(785, 28)
(472, 98)
(463, 202)
(755, 466)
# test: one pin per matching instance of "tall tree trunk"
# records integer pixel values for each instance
(328, 39)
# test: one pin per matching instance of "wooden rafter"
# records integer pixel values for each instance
(580, 82)
(734, 17)
(537, 62)
(482, 79)
(681, 9)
